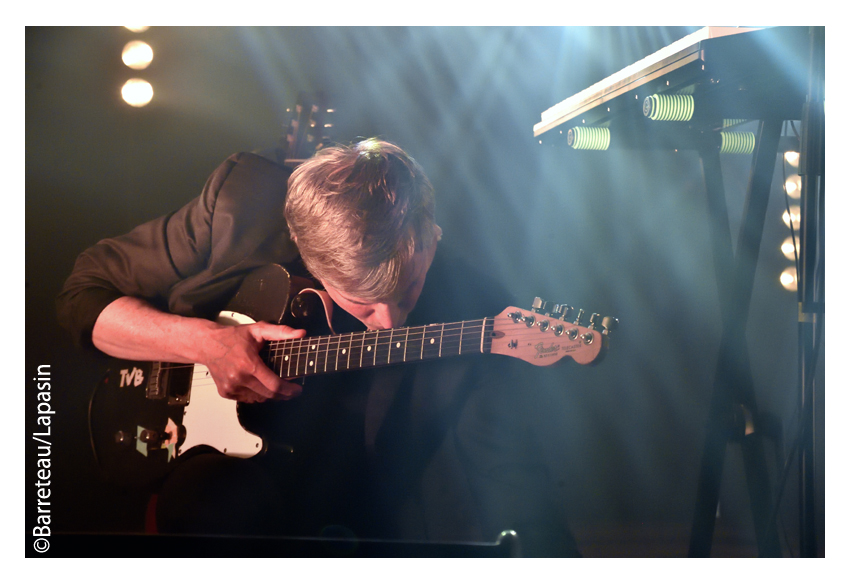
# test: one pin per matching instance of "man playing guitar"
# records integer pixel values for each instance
(431, 453)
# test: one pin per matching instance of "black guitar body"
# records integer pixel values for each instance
(136, 411)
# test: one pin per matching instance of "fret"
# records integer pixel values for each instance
(422, 350)
(301, 358)
(460, 341)
(355, 345)
(431, 341)
(415, 340)
(312, 357)
(486, 335)
(334, 349)
(404, 355)
(350, 349)
(382, 347)
(280, 350)
(289, 348)
(319, 356)
(362, 348)
(327, 353)
(342, 352)
(370, 339)
(397, 347)
(338, 350)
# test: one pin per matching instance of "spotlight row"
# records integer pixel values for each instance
(137, 55)
(791, 217)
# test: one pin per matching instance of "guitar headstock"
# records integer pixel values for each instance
(549, 332)
(309, 129)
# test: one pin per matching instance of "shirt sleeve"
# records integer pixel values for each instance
(144, 263)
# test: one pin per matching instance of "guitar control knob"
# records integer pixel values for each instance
(149, 436)
(305, 306)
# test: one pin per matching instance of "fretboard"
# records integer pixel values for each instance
(328, 354)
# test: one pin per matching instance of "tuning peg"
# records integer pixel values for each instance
(594, 323)
(579, 316)
(538, 305)
(609, 323)
(562, 311)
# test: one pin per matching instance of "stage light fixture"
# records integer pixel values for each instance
(137, 92)
(137, 55)
(737, 142)
(792, 158)
(589, 138)
(792, 187)
(787, 248)
(794, 219)
(672, 108)
(788, 279)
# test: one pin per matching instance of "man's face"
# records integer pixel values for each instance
(391, 312)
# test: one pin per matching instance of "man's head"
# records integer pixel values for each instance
(363, 219)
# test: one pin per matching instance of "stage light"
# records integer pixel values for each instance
(788, 279)
(792, 158)
(792, 187)
(737, 142)
(674, 108)
(589, 138)
(137, 92)
(794, 219)
(787, 248)
(137, 28)
(137, 55)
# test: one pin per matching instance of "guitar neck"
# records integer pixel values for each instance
(328, 354)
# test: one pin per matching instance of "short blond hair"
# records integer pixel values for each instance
(358, 214)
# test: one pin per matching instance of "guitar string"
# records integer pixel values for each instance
(310, 355)
(393, 336)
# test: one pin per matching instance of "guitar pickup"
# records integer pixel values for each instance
(172, 381)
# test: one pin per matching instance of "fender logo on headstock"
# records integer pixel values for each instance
(543, 352)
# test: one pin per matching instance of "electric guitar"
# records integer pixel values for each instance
(143, 416)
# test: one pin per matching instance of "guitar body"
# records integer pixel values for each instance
(120, 411)
(143, 415)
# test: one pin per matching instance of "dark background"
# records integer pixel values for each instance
(620, 233)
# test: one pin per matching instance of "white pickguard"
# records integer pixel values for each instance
(211, 419)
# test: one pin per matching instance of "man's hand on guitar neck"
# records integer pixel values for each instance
(231, 353)
(130, 328)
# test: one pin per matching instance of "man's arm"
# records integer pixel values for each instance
(130, 328)
(119, 290)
